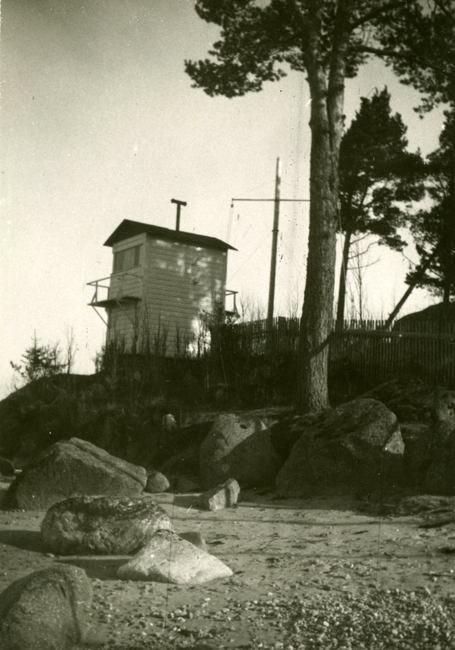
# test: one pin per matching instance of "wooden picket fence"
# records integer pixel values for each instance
(425, 348)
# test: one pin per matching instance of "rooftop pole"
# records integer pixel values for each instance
(179, 205)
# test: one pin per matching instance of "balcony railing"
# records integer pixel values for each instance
(120, 287)
(231, 303)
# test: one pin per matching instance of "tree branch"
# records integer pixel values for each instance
(374, 13)
(424, 63)
(444, 9)
(392, 53)
(363, 251)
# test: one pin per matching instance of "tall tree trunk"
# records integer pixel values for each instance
(326, 123)
(343, 274)
(327, 99)
(317, 312)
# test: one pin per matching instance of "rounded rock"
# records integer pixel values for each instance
(102, 525)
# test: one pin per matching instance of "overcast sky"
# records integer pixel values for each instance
(99, 123)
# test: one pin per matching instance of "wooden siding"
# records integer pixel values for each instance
(126, 284)
(178, 285)
(124, 319)
(182, 283)
(123, 323)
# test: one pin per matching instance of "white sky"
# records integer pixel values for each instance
(99, 123)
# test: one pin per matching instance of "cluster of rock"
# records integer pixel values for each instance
(358, 446)
(47, 610)
(106, 511)
(130, 525)
(98, 504)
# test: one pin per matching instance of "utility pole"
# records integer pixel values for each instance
(276, 217)
(179, 205)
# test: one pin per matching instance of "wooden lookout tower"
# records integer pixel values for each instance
(164, 288)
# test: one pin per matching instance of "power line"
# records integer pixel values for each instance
(276, 200)
(241, 268)
(292, 200)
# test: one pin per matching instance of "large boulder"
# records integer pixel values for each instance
(102, 525)
(355, 447)
(238, 447)
(73, 467)
(45, 610)
(169, 558)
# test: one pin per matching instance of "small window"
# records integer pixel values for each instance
(118, 261)
(127, 259)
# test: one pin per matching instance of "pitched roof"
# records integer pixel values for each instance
(129, 229)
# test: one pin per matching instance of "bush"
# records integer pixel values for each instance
(44, 360)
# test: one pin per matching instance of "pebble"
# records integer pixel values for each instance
(378, 619)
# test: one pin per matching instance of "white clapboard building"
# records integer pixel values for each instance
(164, 288)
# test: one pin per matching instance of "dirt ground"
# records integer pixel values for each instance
(278, 549)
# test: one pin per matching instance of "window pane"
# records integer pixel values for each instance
(118, 261)
(127, 259)
(137, 255)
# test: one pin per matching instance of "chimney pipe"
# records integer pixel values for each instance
(179, 205)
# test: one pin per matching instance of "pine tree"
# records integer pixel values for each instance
(328, 40)
(39, 361)
(434, 229)
(378, 178)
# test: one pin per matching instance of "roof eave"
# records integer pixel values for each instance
(139, 228)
